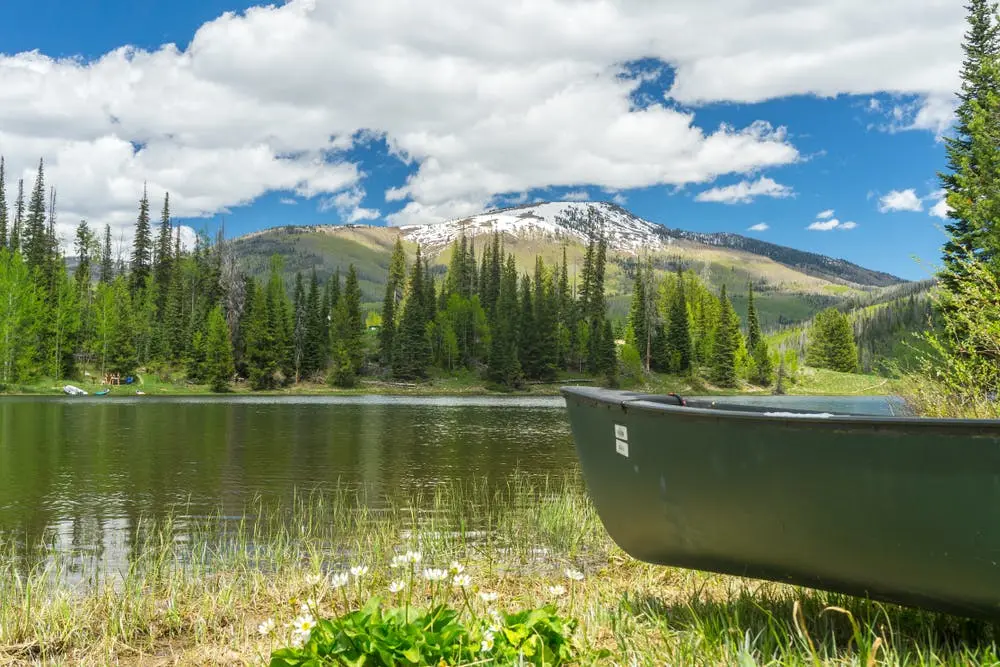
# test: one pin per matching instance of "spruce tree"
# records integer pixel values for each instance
(981, 46)
(16, 230)
(723, 369)
(35, 242)
(504, 365)
(831, 342)
(763, 368)
(4, 231)
(219, 368)
(142, 246)
(107, 272)
(349, 323)
(609, 357)
(83, 246)
(639, 319)
(680, 354)
(300, 329)
(394, 287)
(162, 255)
(546, 317)
(412, 353)
(313, 358)
(753, 324)
(527, 332)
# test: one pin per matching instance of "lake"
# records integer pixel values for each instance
(80, 472)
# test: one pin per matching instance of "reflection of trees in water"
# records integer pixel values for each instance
(94, 475)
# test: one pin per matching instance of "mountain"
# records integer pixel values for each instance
(560, 221)
(792, 285)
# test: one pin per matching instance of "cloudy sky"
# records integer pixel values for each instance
(811, 123)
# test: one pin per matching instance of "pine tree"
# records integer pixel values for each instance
(313, 357)
(162, 256)
(107, 272)
(753, 324)
(260, 357)
(393, 296)
(504, 366)
(16, 231)
(981, 47)
(639, 319)
(546, 318)
(763, 368)
(680, 353)
(831, 342)
(142, 245)
(35, 242)
(20, 310)
(83, 245)
(300, 329)
(63, 324)
(218, 351)
(279, 322)
(727, 332)
(412, 354)
(4, 231)
(527, 328)
(609, 357)
(348, 320)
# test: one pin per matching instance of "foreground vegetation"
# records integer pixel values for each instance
(203, 591)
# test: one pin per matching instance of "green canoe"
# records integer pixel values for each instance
(896, 509)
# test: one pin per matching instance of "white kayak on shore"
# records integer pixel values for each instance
(74, 391)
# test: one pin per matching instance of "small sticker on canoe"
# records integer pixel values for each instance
(621, 432)
(621, 447)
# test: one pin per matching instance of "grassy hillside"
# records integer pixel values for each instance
(785, 296)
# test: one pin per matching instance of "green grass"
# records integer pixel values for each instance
(189, 597)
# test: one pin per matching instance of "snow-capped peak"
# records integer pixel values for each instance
(549, 220)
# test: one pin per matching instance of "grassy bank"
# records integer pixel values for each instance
(808, 381)
(200, 600)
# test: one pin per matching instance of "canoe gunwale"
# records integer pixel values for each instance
(667, 405)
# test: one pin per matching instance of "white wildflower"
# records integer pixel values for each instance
(557, 591)
(457, 567)
(413, 556)
(487, 644)
(266, 628)
(339, 580)
(399, 561)
(574, 575)
(314, 579)
(302, 629)
(462, 581)
(397, 586)
(359, 571)
(434, 574)
(488, 596)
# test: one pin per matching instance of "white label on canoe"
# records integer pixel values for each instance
(621, 447)
(621, 432)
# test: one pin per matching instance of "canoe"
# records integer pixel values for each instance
(102, 392)
(896, 509)
(72, 390)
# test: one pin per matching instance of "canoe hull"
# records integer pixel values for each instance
(899, 510)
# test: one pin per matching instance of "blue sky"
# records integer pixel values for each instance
(866, 147)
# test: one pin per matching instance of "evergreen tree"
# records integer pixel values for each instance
(314, 355)
(162, 256)
(107, 266)
(753, 324)
(979, 81)
(639, 318)
(412, 353)
(349, 322)
(727, 332)
(174, 327)
(20, 310)
(546, 318)
(4, 231)
(83, 245)
(121, 352)
(279, 322)
(301, 328)
(527, 332)
(504, 366)
(762, 371)
(35, 242)
(831, 342)
(63, 325)
(393, 296)
(218, 346)
(261, 354)
(680, 353)
(142, 246)
(15, 241)
(609, 358)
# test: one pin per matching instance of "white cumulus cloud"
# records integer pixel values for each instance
(745, 192)
(825, 215)
(348, 206)
(940, 209)
(831, 224)
(900, 200)
(759, 227)
(482, 98)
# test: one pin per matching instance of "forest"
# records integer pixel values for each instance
(196, 314)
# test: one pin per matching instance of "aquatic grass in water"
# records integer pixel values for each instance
(199, 590)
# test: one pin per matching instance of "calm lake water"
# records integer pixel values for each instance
(76, 472)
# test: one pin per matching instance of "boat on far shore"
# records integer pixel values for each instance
(893, 508)
(73, 391)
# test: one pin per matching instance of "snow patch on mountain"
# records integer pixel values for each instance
(553, 221)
